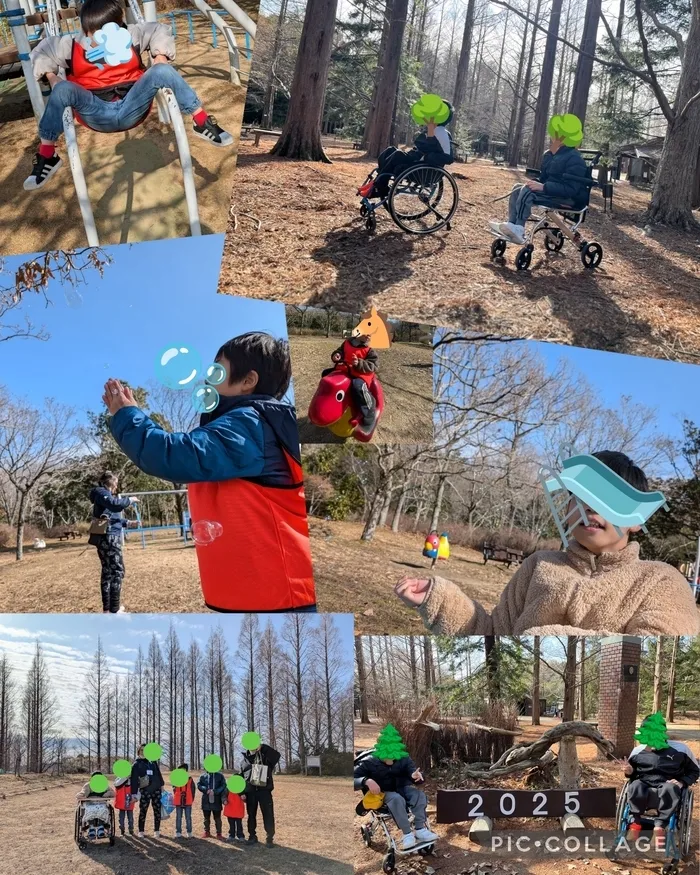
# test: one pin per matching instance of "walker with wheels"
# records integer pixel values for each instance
(94, 809)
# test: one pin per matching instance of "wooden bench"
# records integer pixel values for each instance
(502, 554)
(69, 534)
(260, 132)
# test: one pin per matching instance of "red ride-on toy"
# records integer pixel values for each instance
(332, 406)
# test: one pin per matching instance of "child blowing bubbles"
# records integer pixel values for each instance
(109, 96)
(599, 583)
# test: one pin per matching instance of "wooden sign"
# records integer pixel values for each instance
(313, 762)
(456, 806)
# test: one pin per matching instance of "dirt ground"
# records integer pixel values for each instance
(134, 178)
(456, 854)
(406, 375)
(41, 825)
(65, 578)
(363, 574)
(312, 248)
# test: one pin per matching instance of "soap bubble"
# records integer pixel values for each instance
(206, 531)
(177, 366)
(98, 783)
(215, 374)
(153, 751)
(205, 399)
(251, 741)
(122, 768)
(235, 784)
(213, 763)
(73, 297)
(179, 777)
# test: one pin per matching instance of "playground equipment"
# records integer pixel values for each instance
(49, 23)
(559, 223)
(589, 482)
(333, 407)
(183, 527)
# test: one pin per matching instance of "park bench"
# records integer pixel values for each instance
(502, 554)
(69, 534)
(260, 132)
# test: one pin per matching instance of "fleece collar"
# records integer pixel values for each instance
(583, 559)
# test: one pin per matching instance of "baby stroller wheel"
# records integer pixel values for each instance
(363, 211)
(550, 244)
(389, 862)
(498, 248)
(371, 222)
(524, 257)
(426, 851)
(591, 255)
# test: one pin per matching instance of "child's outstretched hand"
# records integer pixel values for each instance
(412, 592)
(117, 396)
(417, 776)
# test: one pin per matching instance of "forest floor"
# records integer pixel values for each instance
(349, 571)
(134, 178)
(456, 854)
(405, 372)
(41, 825)
(65, 578)
(312, 248)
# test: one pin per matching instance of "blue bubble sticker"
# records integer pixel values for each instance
(215, 374)
(205, 399)
(177, 366)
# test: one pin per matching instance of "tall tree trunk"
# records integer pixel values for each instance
(463, 66)
(497, 86)
(413, 664)
(433, 66)
(658, 674)
(671, 701)
(569, 770)
(522, 109)
(301, 133)
(369, 121)
(584, 67)
(512, 155)
(21, 512)
(558, 100)
(536, 682)
(544, 95)
(270, 89)
(437, 506)
(361, 680)
(582, 681)
(492, 656)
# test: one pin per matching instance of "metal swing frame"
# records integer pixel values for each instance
(183, 526)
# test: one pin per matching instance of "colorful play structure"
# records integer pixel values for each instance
(29, 22)
(144, 516)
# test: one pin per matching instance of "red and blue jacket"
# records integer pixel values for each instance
(242, 465)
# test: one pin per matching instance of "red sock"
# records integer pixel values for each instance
(47, 151)
(200, 117)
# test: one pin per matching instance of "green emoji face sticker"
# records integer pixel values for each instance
(235, 784)
(179, 777)
(251, 741)
(153, 752)
(98, 783)
(122, 768)
(566, 128)
(213, 763)
(430, 106)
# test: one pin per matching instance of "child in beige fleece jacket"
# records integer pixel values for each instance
(599, 584)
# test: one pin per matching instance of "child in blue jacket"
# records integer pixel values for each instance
(242, 465)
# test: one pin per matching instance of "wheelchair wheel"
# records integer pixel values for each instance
(423, 199)
(685, 824)
(591, 255)
(389, 862)
(363, 211)
(524, 257)
(621, 806)
(553, 245)
(366, 836)
(371, 223)
(498, 248)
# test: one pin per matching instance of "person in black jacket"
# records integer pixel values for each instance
(106, 504)
(396, 779)
(557, 187)
(146, 784)
(260, 796)
(212, 786)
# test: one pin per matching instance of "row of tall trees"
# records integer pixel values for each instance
(290, 683)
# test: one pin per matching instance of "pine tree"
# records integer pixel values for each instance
(390, 745)
(652, 732)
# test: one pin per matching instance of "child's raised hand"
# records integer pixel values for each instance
(117, 396)
(430, 125)
(417, 776)
(412, 592)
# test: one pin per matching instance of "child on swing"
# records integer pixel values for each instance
(100, 74)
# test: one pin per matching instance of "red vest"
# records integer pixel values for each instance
(121, 802)
(361, 352)
(183, 796)
(262, 560)
(234, 806)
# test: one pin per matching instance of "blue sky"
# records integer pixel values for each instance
(152, 295)
(69, 642)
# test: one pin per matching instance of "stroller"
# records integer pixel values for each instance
(94, 821)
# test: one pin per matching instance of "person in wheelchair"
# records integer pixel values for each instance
(659, 771)
(96, 818)
(396, 779)
(100, 74)
(432, 147)
(557, 186)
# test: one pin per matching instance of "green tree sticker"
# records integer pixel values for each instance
(179, 777)
(213, 763)
(153, 752)
(98, 783)
(251, 741)
(390, 745)
(122, 768)
(235, 784)
(652, 732)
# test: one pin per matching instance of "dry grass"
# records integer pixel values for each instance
(313, 249)
(134, 178)
(406, 375)
(41, 826)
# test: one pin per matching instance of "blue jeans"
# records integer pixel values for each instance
(523, 200)
(188, 818)
(107, 117)
(128, 816)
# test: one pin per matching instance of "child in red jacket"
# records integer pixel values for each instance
(124, 802)
(234, 809)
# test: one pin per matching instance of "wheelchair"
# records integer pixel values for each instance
(82, 812)
(558, 224)
(422, 199)
(678, 832)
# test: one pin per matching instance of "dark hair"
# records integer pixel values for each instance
(625, 468)
(107, 477)
(94, 14)
(260, 352)
(184, 766)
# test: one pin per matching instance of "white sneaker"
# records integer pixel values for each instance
(516, 233)
(408, 841)
(189, 835)
(425, 835)
(141, 835)
(178, 835)
(156, 834)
